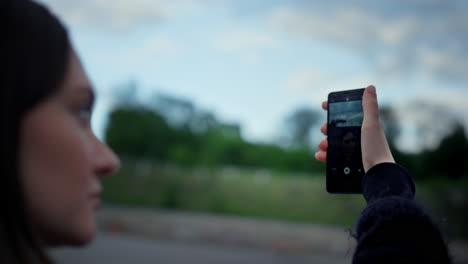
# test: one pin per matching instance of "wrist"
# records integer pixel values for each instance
(368, 165)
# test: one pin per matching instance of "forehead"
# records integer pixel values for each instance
(76, 80)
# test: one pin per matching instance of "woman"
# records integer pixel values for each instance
(53, 160)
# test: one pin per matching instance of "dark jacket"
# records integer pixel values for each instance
(393, 228)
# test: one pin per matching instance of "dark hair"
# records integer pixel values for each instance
(35, 53)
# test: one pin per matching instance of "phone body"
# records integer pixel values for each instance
(344, 158)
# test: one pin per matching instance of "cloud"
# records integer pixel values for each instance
(248, 44)
(315, 84)
(428, 37)
(302, 81)
(161, 45)
(244, 40)
(347, 27)
(118, 15)
(399, 38)
(431, 117)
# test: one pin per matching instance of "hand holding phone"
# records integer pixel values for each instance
(374, 146)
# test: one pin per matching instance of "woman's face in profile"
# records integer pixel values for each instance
(61, 162)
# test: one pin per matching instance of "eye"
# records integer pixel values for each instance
(84, 113)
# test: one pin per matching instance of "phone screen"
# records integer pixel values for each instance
(344, 159)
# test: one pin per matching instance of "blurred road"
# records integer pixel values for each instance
(120, 249)
(142, 235)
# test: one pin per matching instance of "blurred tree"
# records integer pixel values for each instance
(299, 126)
(173, 130)
(139, 132)
(203, 121)
(433, 121)
(126, 94)
(451, 156)
(392, 131)
(178, 112)
(390, 123)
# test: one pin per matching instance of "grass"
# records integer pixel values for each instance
(447, 202)
(261, 193)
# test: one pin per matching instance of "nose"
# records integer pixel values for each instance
(107, 162)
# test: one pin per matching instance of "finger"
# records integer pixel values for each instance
(321, 156)
(374, 145)
(323, 145)
(370, 105)
(325, 105)
(324, 128)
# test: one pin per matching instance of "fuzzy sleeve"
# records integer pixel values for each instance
(393, 228)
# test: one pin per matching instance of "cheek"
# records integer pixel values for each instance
(55, 165)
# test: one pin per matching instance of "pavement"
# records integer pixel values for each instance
(120, 249)
(143, 235)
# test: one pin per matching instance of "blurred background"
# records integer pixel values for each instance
(214, 109)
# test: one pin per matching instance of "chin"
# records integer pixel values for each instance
(78, 237)
(85, 229)
(86, 236)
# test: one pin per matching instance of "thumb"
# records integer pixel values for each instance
(374, 145)
(370, 107)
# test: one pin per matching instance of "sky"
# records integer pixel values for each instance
(254, 62)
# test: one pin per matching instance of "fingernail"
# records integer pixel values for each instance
(371, 89)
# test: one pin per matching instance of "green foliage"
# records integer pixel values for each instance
(448, 160)
(451, 156)
(173, 130)
(138, 132)
(299, 126)
(447, 202)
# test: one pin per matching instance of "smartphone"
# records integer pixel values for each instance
(344, 158)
